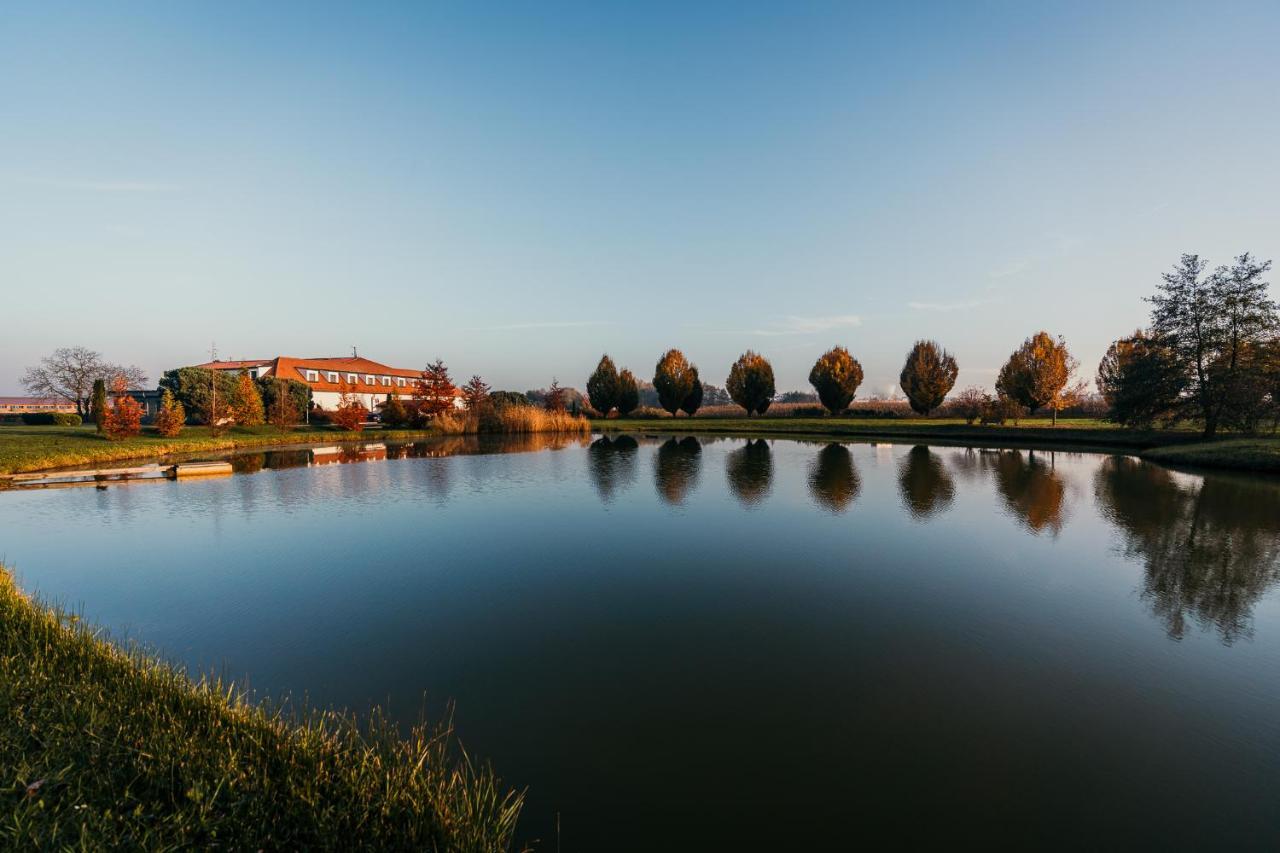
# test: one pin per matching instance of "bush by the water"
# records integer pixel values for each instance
(105, 749)
(66, 419)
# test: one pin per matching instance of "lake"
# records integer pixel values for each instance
(683, 643)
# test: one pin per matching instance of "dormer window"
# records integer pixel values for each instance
(370, 379)
(312, 376)
(353, 378)
(386, 380)
(400, 382)
(333, 377)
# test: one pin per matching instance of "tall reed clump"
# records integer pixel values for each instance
(511, 420)
(110, 749)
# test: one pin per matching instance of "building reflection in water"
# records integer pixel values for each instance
(1210, 547)
(750, 471)
(675, 468)
(833, 478)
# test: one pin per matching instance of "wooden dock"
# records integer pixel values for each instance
(100, 476)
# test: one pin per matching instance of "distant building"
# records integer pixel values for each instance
(368, 381)
(27, 405)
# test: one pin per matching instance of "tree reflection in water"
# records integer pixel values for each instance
(833, 479)
(612, 463)
(925, 485)
(1211, 548)
(750, 471)
(1032, 490)
(676, 467)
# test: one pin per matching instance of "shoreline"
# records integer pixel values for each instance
(1260, 455)
(64, 448)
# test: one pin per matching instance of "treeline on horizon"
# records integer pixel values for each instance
(1211, 355)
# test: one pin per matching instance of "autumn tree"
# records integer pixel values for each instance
(628, 393)
(1210, 322)
(750, 383)
(246, 404)
(927, 376)
(968, 404)
(282, 411)
(673, 379)
(70, 373)
(435, 391)
(603, 387)
(554, 401)
(693, 402)
(1141, 381)
(351, 412)
(98, 408)
(836, 376)
(124, 418)
(1037, 373)
(475, 394)
(172, 416)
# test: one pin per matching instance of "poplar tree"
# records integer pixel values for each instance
(836, 376)
(673, 379)
(603, 387)
(928, 376)
(628, 393)
(750, 383)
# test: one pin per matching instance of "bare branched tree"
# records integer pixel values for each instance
(70, 373)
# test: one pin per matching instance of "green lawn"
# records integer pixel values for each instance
(26, 448)
(1177, 446)
(1076, 431)
(106, 749)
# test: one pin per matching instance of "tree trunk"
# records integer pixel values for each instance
(1055, 415)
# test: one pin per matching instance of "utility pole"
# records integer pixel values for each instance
(213, 388)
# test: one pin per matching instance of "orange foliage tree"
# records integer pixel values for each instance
(124, 419)
(435, 391)
(171, 417)
(475, 394)
(351, 413)
(246, 405)
(1037, 373)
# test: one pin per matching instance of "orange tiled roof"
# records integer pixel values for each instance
(287, 367)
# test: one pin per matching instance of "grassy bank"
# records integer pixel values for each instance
(106, 749)
(1178, 446)
(25, 448)
(1241, 454)
(1091, 432)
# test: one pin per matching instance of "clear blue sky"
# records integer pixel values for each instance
(518, 188)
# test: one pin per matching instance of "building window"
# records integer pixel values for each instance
(370, 379)
(386, 380)
(333, 377)
(312, 376)
(400, 382)
(351, 377)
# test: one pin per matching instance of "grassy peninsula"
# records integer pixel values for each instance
(107, 748)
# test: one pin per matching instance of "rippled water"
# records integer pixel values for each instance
(692, 643)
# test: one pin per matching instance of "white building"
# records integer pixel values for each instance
(366, 380)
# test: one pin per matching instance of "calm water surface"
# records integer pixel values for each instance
(682, 644)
